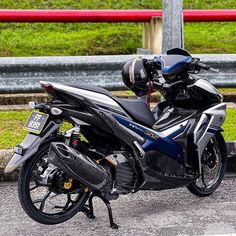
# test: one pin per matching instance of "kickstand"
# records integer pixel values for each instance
(88, 209)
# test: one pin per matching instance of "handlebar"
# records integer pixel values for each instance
(191, 67)
(203, 66)
(213, 70)
(195, 66)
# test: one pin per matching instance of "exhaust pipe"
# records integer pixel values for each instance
(78, 166)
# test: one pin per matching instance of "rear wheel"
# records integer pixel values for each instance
(46, 193)
(213, 166)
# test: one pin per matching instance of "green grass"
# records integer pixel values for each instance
(68, 39)
(39, 39)
(11, 128)
(12, 133)
(210, 37)
(229, 125)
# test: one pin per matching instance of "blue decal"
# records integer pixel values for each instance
(212, 130)
(154, 141)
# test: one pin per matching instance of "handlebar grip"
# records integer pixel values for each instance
(214, 70)
(203, 66)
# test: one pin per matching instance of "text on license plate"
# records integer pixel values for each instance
(36, 122)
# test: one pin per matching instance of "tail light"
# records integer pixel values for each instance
(47, 87)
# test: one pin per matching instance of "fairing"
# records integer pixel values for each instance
(204, 93)
(154, 140)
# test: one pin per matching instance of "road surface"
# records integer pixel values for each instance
(169, 212)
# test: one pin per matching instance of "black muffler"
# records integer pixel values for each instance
(79, 166)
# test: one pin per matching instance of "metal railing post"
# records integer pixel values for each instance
(172, 16)
(152, 35)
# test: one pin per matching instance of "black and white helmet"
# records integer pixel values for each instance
(135, 76)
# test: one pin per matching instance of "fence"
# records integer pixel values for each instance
(110, 15)
(152, 20)
(23, 74)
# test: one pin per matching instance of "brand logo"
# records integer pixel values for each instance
(142, 74)
(136, 127)
(150, 134)
(131, 79)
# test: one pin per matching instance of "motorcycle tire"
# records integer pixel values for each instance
(25, 196)
(220, 147)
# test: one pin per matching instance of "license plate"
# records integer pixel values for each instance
(36, 122)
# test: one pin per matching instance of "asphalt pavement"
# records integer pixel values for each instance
(169, 212)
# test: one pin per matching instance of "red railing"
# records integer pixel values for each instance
(109, 15)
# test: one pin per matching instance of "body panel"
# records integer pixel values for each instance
(161, 141)
(211, 120)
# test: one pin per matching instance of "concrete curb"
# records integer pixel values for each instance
(5, 155)
(231, 149)
(22, 98)
(14, 108)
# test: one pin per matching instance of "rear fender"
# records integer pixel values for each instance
(29, 146)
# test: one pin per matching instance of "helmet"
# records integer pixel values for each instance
(135, 76)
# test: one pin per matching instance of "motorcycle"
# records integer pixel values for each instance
(118, 146)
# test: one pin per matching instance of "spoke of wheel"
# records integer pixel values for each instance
(203, 180)
(36, 186)
(66, 205)
(44, 200)
(68, 202)
(58, 207)
(55, 195)
(37, 201)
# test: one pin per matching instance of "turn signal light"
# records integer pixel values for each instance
(56, 111)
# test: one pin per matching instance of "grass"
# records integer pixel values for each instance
(11, 128)
(12, 122)
(210, 37)
(67, 39)
(51, 39)
(230, 125)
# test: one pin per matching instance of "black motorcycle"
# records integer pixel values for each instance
(118, 146)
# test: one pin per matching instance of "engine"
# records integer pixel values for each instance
(111, 175)
(124, 176)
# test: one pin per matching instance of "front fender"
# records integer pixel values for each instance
(209, 123)
(29, 146)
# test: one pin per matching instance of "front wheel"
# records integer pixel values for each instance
(46, 193)
(213, 166)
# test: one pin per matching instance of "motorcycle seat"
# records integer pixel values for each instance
(135, 108)
(138, 110)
